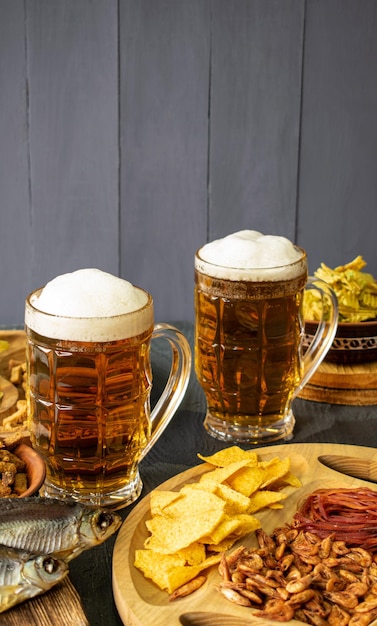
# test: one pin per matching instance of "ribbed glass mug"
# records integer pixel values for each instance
(89, 399)
(248, 346)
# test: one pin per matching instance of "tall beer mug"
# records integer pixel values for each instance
(88, 385)
(249, 334)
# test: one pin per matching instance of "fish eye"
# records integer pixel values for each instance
(49, 565)
(104, 520)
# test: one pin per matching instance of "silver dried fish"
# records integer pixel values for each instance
(60, 528)
(23, 576)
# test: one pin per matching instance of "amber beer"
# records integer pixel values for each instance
(89, 403)
(89, 383)
(248, 337)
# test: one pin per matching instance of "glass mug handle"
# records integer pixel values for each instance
(325, 332)
(176, 384)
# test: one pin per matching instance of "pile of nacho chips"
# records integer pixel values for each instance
(355, 290)
(190, 528)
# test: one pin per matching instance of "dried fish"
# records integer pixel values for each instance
(60, 528)
(23, 576)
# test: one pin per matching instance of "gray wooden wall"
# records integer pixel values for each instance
(133, 131)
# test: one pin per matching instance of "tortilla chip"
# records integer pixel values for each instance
(233, 454)
(235, 501)
(275, 470)
(159, 500)
(261, 499)
(246, 524)
(169, 571)
(222, 474)
(247, 480)
(188, 519)
(208, 516)
(226, 528)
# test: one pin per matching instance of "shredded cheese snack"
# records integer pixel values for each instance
(355, 290)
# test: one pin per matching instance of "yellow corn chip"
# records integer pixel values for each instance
(194, 554)
(210, 515)
(224, 545)
(222, 474)
(261, 499)
(246, 524)
(288, 479)
(235, 501)
(231, 455)
(247, 480)
(275, 469)
(195, 515)
(225, 529)
(159, 500)
(169, 571)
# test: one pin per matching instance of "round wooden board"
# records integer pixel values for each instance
(343, 384)
(141, 603)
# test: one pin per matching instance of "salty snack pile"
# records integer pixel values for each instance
(356, 292)
(316, 569)
(13, 478)
(190, 528)
(16, 376)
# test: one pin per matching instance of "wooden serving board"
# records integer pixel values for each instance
(343, 384)
(60, 605)
(141, 603)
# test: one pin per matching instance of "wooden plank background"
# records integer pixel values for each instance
(133, 132)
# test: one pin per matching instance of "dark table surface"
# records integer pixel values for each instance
(176, 451)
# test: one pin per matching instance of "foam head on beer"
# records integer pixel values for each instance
(73, 298)
(245, 255)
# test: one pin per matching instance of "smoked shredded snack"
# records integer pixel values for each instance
(316, 569)
(356, 292)
(350, 514)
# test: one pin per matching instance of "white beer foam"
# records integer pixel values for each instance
(89, 305)
(249, 255)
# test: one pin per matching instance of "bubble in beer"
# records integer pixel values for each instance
(245, 255)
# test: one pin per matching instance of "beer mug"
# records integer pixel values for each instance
(249, 357)
(88, 385)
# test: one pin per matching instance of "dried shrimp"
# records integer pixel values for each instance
(296, 574)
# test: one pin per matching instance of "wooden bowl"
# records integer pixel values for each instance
(34, 467)
(353, 343)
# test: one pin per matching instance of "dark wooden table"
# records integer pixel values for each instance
(91, 572)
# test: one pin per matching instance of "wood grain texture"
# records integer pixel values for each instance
(133, 132)
(141, 603)
(255, 116)
(60, 605)
(339, 134)
(343, 384)
(164, 81)
(15, 234)
(73, 134)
